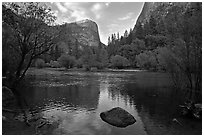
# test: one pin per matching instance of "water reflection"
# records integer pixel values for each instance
(75, 106)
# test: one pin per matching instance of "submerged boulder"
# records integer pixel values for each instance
(118, 117)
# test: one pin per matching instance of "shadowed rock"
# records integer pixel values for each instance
(118, 117)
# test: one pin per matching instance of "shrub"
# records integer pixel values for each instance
(88, 58)
(47, 65)
(39, 63)
(119, 62)
(146, 60)
(54, 64)
(99, 65)
(67, 61)
(79, 63)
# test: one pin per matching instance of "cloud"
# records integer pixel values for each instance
(112, 28)
(128, 16)
(74, 12)
(79, 15)
(107, 4)
(97, 10)
(61, 7)
(55, 12)
(113, 25)
(96, 7)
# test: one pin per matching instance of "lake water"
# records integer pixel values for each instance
(73, 101)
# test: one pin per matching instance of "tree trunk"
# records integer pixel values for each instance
(18, 72)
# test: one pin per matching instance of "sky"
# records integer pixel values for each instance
(111, 17)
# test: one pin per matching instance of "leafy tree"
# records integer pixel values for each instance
(146, 60)
(67, 61)
(10, 57)
(79, 63)
(32, 37)
(76, 51)
(128, 51)
(139, 44)
(119, 61)
(40, 63)
(183, 24)
(29, 26)
(88, 58)
(103, 58)
(154, 41)
(55, 64)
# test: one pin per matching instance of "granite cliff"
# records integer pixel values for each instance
(79, 35)
(150, 8)
(85, 31)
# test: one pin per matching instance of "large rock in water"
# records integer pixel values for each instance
(118, 117)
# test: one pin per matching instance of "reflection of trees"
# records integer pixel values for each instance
(85, 97)
(153, 97)
(75, 96)
(118, 93)
(155, 102)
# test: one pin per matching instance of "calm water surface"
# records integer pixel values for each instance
(73, 101)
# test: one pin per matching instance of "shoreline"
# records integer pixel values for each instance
(95, 70)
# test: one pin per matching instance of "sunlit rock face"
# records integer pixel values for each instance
(148, 7)
(146, 12)
(85, 31)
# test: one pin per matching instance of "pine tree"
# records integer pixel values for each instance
(126, 34)
(118, 36)
(130, 37)
(109, 40)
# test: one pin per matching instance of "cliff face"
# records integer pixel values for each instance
(85, 32)
(145, 13)
(149, 7)
(79, 35)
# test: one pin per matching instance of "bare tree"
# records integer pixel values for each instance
(30, 27)
(29, 23)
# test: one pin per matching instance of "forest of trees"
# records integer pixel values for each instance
(171, 41)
